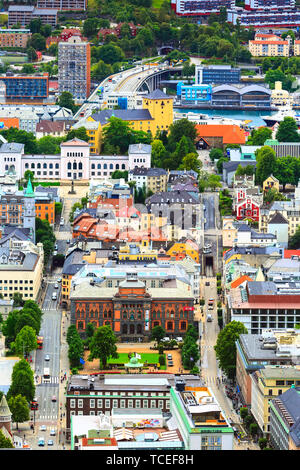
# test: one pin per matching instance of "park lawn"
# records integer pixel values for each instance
(151, 358)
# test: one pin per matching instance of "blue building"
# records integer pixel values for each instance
(21, 88)
(217, 74)
(194, 94)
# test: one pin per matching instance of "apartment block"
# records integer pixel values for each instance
(269, 45)
(63, 5)
(14, 38)
(74, 69)
(23, 14)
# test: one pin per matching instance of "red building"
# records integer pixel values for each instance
(247, 209)
(132, 310)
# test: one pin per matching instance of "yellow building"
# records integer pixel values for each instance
(93, 130)
(229, 231)
(269, 45)
(280, 97)
(296, 47)
(271, 183)
(266, 384)
(184, 247)
(156, 115)
(137, 253)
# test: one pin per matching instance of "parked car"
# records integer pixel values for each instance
(50, 442)
(41, 442)
(53, 398)
(47, 357)
(43, 427)
(52, 432)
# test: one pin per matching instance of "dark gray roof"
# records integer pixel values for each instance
(73, 262)
(244, 228)
(290, 400)
(124, 114)
(232, 166)
(148, 171)
(262, 288)
(158, 95)
(11, 147)
(278, 219)
(173, 197)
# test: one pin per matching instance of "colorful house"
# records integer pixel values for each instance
(219, 135)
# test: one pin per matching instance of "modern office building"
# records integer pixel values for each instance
(14, 37)
(74, 68)
(23, 14)
(217, 74)
(26, 88)
(194, 94)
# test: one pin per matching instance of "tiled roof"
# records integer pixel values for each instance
(50, 126)
(124, 114)
(240, 281)
(231, 134)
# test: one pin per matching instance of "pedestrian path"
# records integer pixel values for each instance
(52, 380)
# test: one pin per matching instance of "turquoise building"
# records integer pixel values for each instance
(194, 94)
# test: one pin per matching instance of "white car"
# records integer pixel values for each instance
(43, 427)
(54, 296)
(56, 286)
(52, 432)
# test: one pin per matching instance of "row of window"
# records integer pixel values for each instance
(119, 403)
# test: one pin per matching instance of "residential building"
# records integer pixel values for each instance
(279, 225)
(272, 4)
(182, 248)
(265, 17)
(14, 37)
(229, 169)
(269, 382)
(26, 88)
(214, 135)
(281, 97)
(245, 153)
(216, 74)
(74, 68)
(21, 269)
(284, 420)
(63, 5)
(246, 236)
(229, 231)
(247, 202)
(93, 130)
(6, 306)
(23, 14)
(131, 309)
(272, 46)
(255, 351)
(53, 128)
(199, 8)
(271, 183)
(153, 179)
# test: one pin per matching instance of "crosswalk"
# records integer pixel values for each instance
(52, 380)
(211, 380)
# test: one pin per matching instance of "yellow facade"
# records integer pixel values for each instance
(269, 383)
(184, 248)
(269, 48)
(158, 183)
(161, 110)
(271, 183)
(95, 135)
(143, 254)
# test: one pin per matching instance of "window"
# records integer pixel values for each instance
(138, 403)
(72, 403)
(153, 404)
(122, 403)
(92, 403)
(115, 404)
(107, 403)
(99, 403)
(80, 403)
(130, 404)
(145, 403)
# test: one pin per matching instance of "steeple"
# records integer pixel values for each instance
(29, 189)
(5, 414)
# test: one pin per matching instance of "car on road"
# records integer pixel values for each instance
(68, 242)
(50, 442)
(170, 364)
(62, 221)
(59, 279)
(56, 246)
(43, 427)
(54, 296)
(56, 286)
(53, 398)
(179, 339)
(52, 432)
(47, 357)
(54, 252)
(209, 317)
(169, 356)
(41, 442)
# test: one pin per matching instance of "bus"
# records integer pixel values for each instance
(40, 341)
(46, 375)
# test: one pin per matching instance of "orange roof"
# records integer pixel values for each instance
(10, 122)
(261, 35)
(239, 281)
(290, 253)
(270, 42)
(231, 133)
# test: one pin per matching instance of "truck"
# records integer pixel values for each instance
(46, 375)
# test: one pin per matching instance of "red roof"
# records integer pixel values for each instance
(290, 253)
(231, 133)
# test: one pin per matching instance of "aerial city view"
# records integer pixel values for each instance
(150, 227)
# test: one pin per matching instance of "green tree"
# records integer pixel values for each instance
(180, 128)
(66, 100)
(25, 341)
(215, 154)
(35, 25)
(288, 131)
(262, 442)
(259, 136)
(90, 27)
(49, 145)
(79, 133)
(22, 137)
(117, 133)
(5, 442)
(111, 54)
(265, 163)
(18, 406)
(103, 345)
(31, 54)
(157, 333)
(22, 381)
(76, 349)
(18, 300)
(37, 41)
(191, 162)
(294, 241)
(158, 153)
(225, 347)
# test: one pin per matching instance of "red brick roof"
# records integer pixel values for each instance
(231, 133)
(290, 253)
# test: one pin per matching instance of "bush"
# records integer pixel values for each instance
(162, 359)
(202, 301)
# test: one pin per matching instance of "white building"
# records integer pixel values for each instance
(74, 162)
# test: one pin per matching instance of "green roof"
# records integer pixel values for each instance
(29, 189)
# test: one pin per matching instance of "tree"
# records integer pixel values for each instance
(225, 347)
(191, 162)
(35, 25)
(26, 319)
(25, 341)
(245, 170)
(158, 153)
(22, 382)
(220, 164)
(111, 54)
(49, 145)
(190, 354)
(180, 128)
(22, 137)
(265, 163)
(31, 54)
(66, 100)
(18, 300)
(294, 241)
(79, 133)
(118, 133)
(118, 174)
(288, 131)
(157, 333)
(5, 442)
(214, 181)
(103, 345)
(215, 154)
(191, 332)
(18, 406)
(37, 41)
(262, 442)
(76, 349)
(259, 136)
(90, 27)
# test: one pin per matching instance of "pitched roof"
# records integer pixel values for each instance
(124, 114)
(50, 126)
(290, 253)
(239, 281)
(75, 142)
(231, 134)
(157, 95)
(278, 219)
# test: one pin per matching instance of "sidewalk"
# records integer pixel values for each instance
(64, 369)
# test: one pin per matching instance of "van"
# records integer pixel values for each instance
(209, 317)
(54, 296)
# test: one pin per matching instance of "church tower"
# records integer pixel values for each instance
(29, 210)
(160, 107)
(5, 415)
